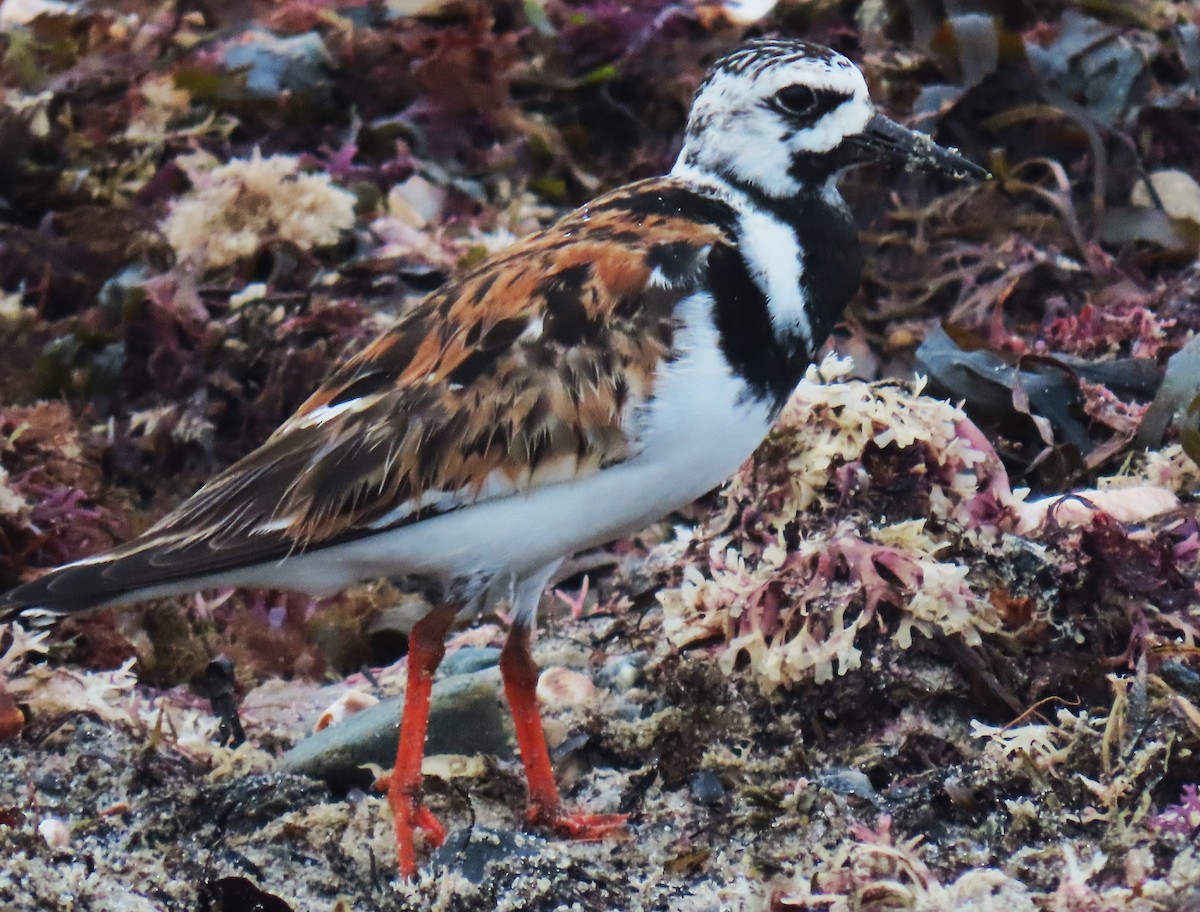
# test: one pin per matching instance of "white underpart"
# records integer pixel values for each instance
(699, 427)
(733, 130)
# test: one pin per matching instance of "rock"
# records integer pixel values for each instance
(417, 201)
(561, 651)
(242, 893)
(273, 65)
(706, 787)
(1177, 190)
(562, 688)
(469, 659)
(53, 783)
(466, 716)
(624, 672)
(470, 851)
(348, 704)
(1133, 504)
(850, 782)
(55, 832)
(243, 804)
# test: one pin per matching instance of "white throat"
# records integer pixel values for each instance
(770, 248)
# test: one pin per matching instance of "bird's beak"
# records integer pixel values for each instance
(888, 142)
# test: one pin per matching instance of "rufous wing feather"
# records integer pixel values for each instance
(525, 371)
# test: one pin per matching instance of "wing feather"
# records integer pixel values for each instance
(523, 372)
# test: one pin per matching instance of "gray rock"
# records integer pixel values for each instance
(469, 659)
(850, 782)
(624, 672)
(272, 64)
(467, 716)
(471, 851)
(552, 650)
(706, 787)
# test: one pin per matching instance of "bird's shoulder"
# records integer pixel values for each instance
(607, 270)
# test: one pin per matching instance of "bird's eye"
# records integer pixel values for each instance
(796, 99)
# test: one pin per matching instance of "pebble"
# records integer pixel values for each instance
(469, 659)
(561, 688)
(466, 716)
(53, 783)
(849, 782)
(623, 673)
(345, 706)
(56, 833)
(560, 651)
(271, 64)
(706, 787)
(471, 851)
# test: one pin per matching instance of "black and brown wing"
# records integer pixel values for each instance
(523, 372)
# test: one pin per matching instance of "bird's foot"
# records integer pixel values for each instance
(581, 827)
(409, 814)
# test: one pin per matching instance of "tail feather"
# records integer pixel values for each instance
(161, 563)
(147, 567)
(76, 589)
(67, 590)
(31, 618)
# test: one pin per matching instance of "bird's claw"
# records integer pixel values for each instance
(409, 814)
(582, 827)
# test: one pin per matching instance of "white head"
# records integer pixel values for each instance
(782, 115)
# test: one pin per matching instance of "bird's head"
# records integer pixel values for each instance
(782, 116)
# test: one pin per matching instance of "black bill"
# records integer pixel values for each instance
(888, 142)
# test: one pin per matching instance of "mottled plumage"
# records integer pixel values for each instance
(587, 380)
(526, 371)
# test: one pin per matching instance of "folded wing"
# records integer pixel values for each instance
(529, 370)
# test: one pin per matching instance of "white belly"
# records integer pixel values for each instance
(695, 433)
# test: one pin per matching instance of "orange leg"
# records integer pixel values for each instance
(520, 676)
(426, 646)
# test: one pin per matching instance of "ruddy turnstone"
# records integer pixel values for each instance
(577, 386)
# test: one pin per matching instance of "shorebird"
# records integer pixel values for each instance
(575, 387)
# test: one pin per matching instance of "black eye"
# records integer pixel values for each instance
(796, 99)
